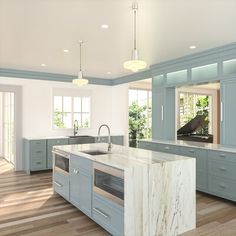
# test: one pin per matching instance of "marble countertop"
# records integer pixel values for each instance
(120, 157)
(66, 137)
(209, 146)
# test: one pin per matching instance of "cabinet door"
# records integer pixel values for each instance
(81, 190)
(157, 113)
(228, 113)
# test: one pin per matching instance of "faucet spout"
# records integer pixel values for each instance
(109, 135)
(76, 127)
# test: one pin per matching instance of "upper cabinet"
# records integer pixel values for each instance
(228, 112)
(177, 77)
(207, 72)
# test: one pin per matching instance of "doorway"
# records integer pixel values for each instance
(7, 126)
(11, 125)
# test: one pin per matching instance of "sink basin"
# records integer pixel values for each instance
(79, 136)
(94, 152)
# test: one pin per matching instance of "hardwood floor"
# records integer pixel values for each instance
(28, 207)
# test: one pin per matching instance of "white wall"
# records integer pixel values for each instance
(107, 103)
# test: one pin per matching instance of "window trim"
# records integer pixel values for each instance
(72, 110)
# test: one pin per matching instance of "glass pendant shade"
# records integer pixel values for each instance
(135, 64)
(80, 81)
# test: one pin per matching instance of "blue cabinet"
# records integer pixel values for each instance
(50, 144)
(228, 113)
(108, 215)
(163, 113)
(81, 184)
(81, 140)
(118, 139)
(61, 184)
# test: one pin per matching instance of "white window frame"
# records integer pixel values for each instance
(72, 93)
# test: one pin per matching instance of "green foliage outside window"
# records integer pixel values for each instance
(138, 128)
(58, 122)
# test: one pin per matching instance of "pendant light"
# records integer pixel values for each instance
(80, 81)
(135, 64)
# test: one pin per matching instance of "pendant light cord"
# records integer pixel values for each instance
(80, 55)
(135, 8)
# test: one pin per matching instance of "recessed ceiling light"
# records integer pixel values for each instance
(104, 26)
(66, 50)
(43, 64)
(108, 72)
(192, 47)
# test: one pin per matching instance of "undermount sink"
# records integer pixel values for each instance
(94, 152)
(79, 136)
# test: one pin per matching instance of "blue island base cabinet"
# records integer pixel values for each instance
(81, 184)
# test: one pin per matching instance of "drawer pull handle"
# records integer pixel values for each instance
(222, 155)
(39, 162)
(38, 151)
(222, 185)
(223, 168)
(191, 151)
(76, 172)
(167, 148)
(101, 213)
(58, 184)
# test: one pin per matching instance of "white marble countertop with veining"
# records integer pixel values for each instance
(66, 137)
(201, 145)
(120, 156)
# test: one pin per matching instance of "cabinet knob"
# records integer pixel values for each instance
(222, 186)
(222, 168)
(222, 155)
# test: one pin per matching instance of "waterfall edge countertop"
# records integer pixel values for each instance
(120, 157)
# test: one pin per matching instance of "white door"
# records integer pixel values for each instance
(9, 127)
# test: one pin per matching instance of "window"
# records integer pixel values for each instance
(190, 105)
(67, 109)
(140, 115)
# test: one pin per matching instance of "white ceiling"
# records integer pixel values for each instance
(33, 32)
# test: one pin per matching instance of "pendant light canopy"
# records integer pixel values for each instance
(80, 81)
(135, 64)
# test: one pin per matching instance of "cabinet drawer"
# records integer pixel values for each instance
(38, 148)
(218, 155)
(222, 169)
(168, 148)
(222, 187)
(108, 216)
(38, 164)
(77, 162)
(61, 184)
(199, 154)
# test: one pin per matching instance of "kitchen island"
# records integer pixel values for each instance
(149, 193)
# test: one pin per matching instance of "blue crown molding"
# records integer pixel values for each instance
(133, 77)
(214, 55)
(49, 76)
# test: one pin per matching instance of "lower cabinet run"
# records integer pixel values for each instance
(215, 169)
